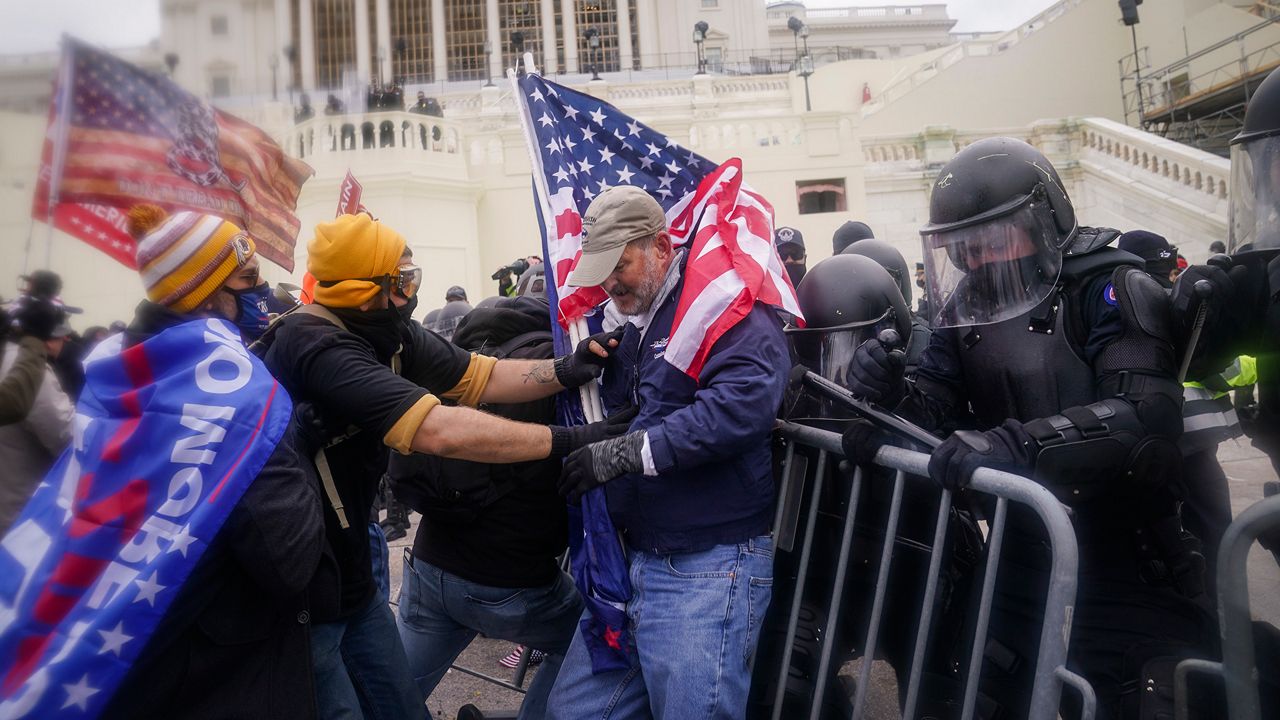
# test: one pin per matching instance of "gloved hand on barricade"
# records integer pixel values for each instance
(876, 373)
(1007, 447)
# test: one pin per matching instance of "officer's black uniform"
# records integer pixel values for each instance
(1081, 388)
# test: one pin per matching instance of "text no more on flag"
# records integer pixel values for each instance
(119, 135)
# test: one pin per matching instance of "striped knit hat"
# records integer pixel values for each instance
(183, 258)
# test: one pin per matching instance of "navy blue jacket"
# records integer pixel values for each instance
(709, 438)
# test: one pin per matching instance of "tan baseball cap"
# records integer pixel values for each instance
(616, 217)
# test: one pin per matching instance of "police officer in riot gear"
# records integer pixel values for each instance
(1063, 351)
(848, 299)
(890, 259)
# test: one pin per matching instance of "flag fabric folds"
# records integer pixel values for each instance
(578, 146)
(168, 435)
(119, 135)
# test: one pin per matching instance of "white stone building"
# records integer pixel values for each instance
(458, 186)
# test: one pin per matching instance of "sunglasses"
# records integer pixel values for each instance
(791, 255)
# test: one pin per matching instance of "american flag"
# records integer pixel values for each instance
(119, 135)
(579, 145)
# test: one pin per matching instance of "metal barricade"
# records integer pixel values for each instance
(1050, 672)
(1239, 668)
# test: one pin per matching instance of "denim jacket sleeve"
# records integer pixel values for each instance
(739, 392)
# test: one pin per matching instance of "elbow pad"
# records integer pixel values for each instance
(1086, 451)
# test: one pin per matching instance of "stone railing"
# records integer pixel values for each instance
(931, 11)
(1186, 172)
(400, 132)
(970, 48)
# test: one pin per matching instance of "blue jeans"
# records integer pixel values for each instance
(441, 613)
(360, 668)
(696, 620)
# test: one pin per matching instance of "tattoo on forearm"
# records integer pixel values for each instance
(542, 373)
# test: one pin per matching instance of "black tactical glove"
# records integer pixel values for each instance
(583, 365)
(875, 373)
(862, 440)
(594, 465)
(1007, 447)
(565, 440)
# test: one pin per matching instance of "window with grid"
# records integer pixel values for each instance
(335, 43)
(464, 39)
(523, 17)
(411, 41)
(603, 16)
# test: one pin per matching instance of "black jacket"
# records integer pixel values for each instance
(236, 641)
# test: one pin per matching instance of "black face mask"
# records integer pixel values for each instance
(796, 272)
(381, 328)
(406, 311)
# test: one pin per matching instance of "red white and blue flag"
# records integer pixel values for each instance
(120, 135)
(168, 435)
(581, 145)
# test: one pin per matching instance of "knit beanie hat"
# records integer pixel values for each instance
(347, 248)
(184, 257)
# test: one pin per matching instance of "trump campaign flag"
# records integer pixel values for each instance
(578, 146)
(167, 436)
(120, 135)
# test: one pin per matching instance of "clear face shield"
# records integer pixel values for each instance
(995, 270)
(1254, 212)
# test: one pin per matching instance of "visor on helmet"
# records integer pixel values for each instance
(835, 345)
(1254, 210)
(995, 270)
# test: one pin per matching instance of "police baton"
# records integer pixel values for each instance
(1202, 290)
(883, 419)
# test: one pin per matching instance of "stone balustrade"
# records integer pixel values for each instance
(383, 132)
(1192, 174)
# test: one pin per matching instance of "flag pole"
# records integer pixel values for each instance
(62, 129)
(26, 255)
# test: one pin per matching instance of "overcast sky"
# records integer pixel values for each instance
(35, 25)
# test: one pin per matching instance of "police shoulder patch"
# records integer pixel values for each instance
(1109, 294)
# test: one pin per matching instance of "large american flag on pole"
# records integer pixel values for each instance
(579, 145)
(119, 135)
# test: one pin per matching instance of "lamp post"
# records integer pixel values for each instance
(700, 29)
(274, 62)
(382, 53)
(593, 44)
(488, 52)
(806, 66)
(291, 54)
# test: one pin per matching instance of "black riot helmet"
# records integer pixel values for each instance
(1254, 209)
(849, 233)
(999, 219)
(846, 300)
(889, 258)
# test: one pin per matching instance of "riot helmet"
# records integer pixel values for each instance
(889, 258)
(1254, 209)
(533, 282)
(999, 219)
(450, 315)
(849, 233)
(846, 300)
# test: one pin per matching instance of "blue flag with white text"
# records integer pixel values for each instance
(168, 435)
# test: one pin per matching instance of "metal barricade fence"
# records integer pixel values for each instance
(1239, 668)
(1050, 673)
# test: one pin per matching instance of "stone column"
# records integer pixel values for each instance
(364, 68)
(493, 35)
(383, 25)
(283, 37)
(624, 34)
(307, 53)
(570, 36)
(648, 34)
(439, 58)
(550, 59)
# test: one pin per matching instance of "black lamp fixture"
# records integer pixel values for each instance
(171, 62)
(488, 51)
(700, 29)
(804, 63)
(592, 34)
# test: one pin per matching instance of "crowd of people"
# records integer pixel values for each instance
(1040, 345)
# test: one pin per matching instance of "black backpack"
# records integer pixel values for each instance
(457, 492)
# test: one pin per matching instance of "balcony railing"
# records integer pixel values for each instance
(385, 131)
